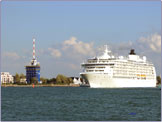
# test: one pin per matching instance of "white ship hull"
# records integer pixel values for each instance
(105, 81)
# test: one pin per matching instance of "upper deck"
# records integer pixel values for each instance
(107, 58)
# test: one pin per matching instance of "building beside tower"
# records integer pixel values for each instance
(6, 77)
(33, 70)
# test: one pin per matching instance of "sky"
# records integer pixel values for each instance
(67, 33)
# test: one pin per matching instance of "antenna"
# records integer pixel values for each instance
(33, 48)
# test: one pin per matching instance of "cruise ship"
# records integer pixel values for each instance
(109, 71)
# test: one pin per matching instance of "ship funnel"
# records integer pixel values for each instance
(132, 52)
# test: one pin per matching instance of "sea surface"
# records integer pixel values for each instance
(80, 104)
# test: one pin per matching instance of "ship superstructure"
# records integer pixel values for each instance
(108, 71)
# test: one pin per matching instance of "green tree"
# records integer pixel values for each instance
(69, 80)
(34, 80)
(17, 78)
(53, 80)
(44, 80)
(61, 79)
(22, 76)
(158, 78)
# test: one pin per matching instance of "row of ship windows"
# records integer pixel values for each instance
(149, 73)
(95, 70)
(137, 67)
(128, 66)
(94, 67)
(121, 67)
(123, 72)
(122, 63)
(132, 73)
(135, 63)
(133, 77)
(126, 71)
(125, 75)
(133, 66)
(135, 74)
(117, 67)
(119, 62)
(133, 69)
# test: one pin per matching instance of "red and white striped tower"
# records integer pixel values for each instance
(33, 48)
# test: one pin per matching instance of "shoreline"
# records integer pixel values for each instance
(41, 85)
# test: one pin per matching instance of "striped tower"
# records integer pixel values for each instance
(33, 70)
(33, 48)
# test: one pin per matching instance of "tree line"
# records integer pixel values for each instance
(60, 79)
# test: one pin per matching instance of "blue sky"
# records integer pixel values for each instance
(95, 23)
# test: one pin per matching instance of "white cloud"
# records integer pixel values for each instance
(54, 52)
(73, 66)
(72, 41)
(153, 41)
(78, 47)
(11, 55)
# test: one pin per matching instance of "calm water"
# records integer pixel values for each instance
(80, 104)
